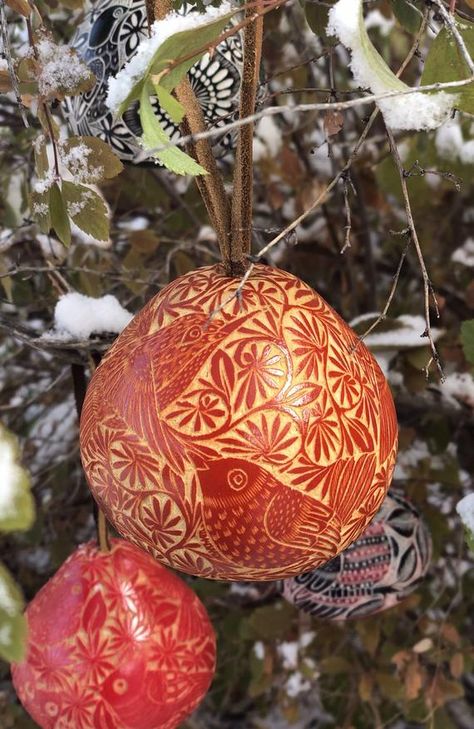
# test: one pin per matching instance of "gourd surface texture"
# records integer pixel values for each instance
(115, 641)
(242, 438)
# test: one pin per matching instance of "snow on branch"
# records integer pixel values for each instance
(122, 84)
(76, 317)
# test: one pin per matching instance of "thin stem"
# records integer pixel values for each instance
(393, 288)
(11, 68)
(211, 186)
(102, 532)
(241, 234)
(427, 286)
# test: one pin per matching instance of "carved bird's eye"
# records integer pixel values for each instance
(237, 479)
(192, 334)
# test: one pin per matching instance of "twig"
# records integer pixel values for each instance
(308, 107)
(450, 21)
(241, 230)
(347, 185)
(428, 291)
(393, 288)
(11, 69)
(322, 197)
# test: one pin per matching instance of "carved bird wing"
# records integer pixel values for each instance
(296, 519)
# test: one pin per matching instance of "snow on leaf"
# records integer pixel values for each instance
(16, 502)
(414, 111)
(171, 38)
(12, 623)
(89, 159)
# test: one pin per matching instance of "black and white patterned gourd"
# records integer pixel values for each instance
(374, 573)
(107, 39)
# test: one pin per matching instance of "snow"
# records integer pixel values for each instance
(406, 336)
(465, 253)
(450, 144)
(288, 652)
(121, 85)
(459, 387)
(259, 650)
(410, 458)
(268, 140)
(465, 509)
(413, 111)
(138, 222)
(296, 685)
(61, 69)
(375, 19)
(76, 159)
(77, 316)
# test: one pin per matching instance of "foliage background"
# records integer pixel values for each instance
(412, 666)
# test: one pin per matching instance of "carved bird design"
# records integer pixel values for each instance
(253, 519)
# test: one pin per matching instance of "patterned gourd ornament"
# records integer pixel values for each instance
(239, 438)
(114, 641)
(375, 573)
(107, 39)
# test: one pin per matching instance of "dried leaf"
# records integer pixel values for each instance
(333, 122)
(20, 6)
(413, 680)
(456, 665)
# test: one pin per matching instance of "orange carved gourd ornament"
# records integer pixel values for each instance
(253, 444)
(114, 641)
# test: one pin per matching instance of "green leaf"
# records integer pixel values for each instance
(154, 136)
(407, 15)
(317, 17)
(87, 209)
(41, 158)
(467, 339)
(95, 163)
(17, 509)
(40, 211)
(59, 216)
(445, 62)
(469, 536)
(173, 108)
(177, 46)
(13, 628)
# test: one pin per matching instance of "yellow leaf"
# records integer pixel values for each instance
(423, 645)
(20, 6)
(413, 680)
(451, 634)
(366, 685)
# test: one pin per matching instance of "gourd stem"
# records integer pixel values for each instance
(242, 203)
(102, 532)
(211, 186)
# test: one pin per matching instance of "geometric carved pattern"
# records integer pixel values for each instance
(375, 573)
(107, 39)
(115, 641)
(253, 444)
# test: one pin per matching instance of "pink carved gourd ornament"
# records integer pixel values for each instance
(239, 438)
(114, 641)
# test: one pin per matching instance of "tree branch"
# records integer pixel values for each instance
(242, 207)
